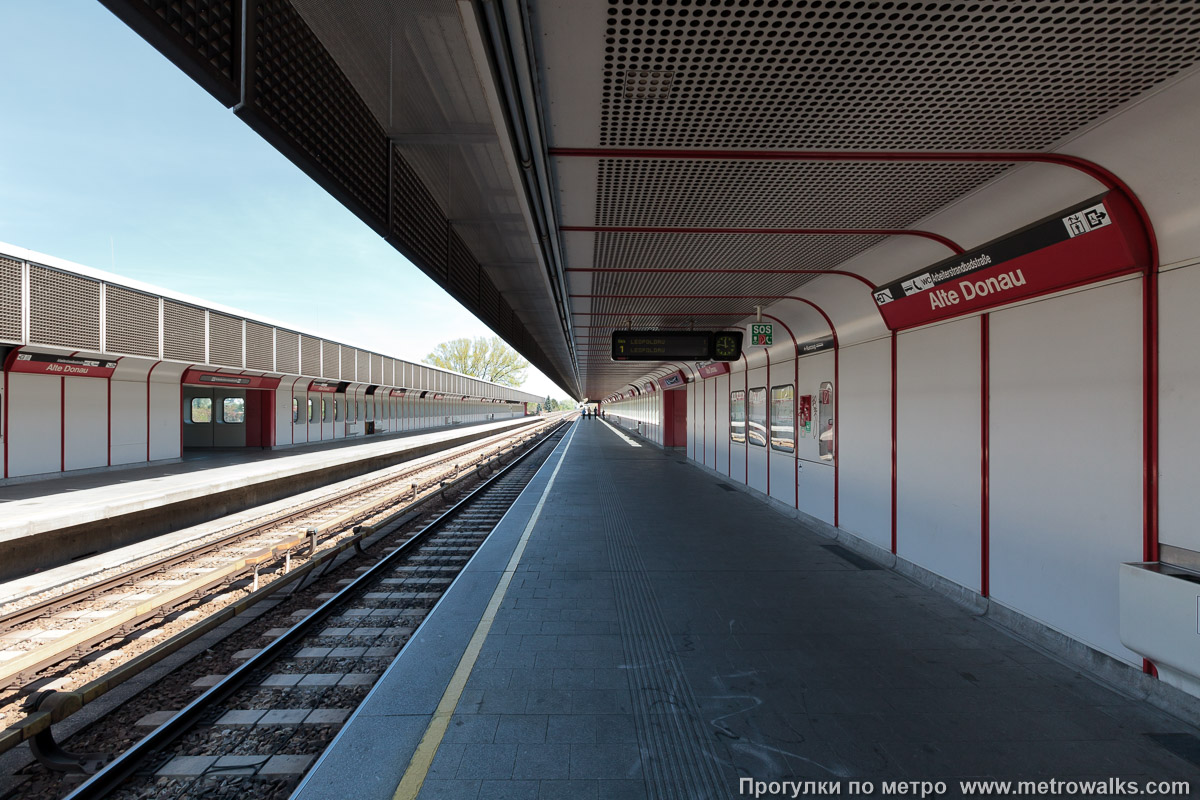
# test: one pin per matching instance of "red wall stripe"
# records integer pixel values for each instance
(895, 431)
(985, 455)
(62, 424)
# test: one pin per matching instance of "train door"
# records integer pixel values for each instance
(198, 427)
(675, 418)
(315, 409)
(227, 416)
(328, 403)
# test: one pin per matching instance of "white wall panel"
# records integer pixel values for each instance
(86, 423)
(1066, 466)
(128, 422)
(708, 421)
(693, 414)
(865, 450)
(166, 419)
(938, 449)
(642, 414)
(34, 424)
(815, 477)
(721, 424)
(738, 455)
(758, 455)
(1179, 392)
(784, 481)
(283, 413)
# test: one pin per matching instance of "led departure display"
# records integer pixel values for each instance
(676, 345)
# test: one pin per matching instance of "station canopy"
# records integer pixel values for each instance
(567, 168)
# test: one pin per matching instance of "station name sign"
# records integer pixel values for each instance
(195, 376)
(65, 366)
(712, 369)
(817, 345)
(673, 381)
(1097, 238)
(676, 345)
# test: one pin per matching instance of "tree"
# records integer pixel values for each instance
(486, 359)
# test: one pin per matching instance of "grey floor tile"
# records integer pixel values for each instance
(472, 728)
(487, 761)
(436, 789)
(509, 790)
(569, 790)
(446, 760)
(623, 790)
(521, 728)
(609, 761)
(504, 701)
(549, 701)
(542, 761)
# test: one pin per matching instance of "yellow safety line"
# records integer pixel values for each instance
(422, 758)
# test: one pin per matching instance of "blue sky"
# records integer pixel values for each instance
(111, 157)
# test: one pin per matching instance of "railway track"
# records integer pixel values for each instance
(257, 729)
(94, 636)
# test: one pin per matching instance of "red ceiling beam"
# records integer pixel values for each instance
(1107, 178)
(937, 237)
(732, 271)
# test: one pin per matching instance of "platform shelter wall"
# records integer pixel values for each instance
(1044, 528)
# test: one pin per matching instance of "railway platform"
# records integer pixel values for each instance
(638, 628)
(50, 523)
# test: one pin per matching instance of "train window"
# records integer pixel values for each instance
(233, 410)
(324, 410)
(201, 410)
(358, 409)
(737, 416)
(311, 418)
(295, 410)
(783, 418)
(336, 405)
(757, 417)
(825, 443)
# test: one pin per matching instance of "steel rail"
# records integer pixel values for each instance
(32, 611)
(110, 777)
(54, 707)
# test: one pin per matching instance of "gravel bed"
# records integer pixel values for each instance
(116, 731)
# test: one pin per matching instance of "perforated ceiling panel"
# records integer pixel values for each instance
(760, 194)
(726, 250)
(810, 75)
(836, 74)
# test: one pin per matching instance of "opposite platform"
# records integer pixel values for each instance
(50, 522)
(659, 634)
